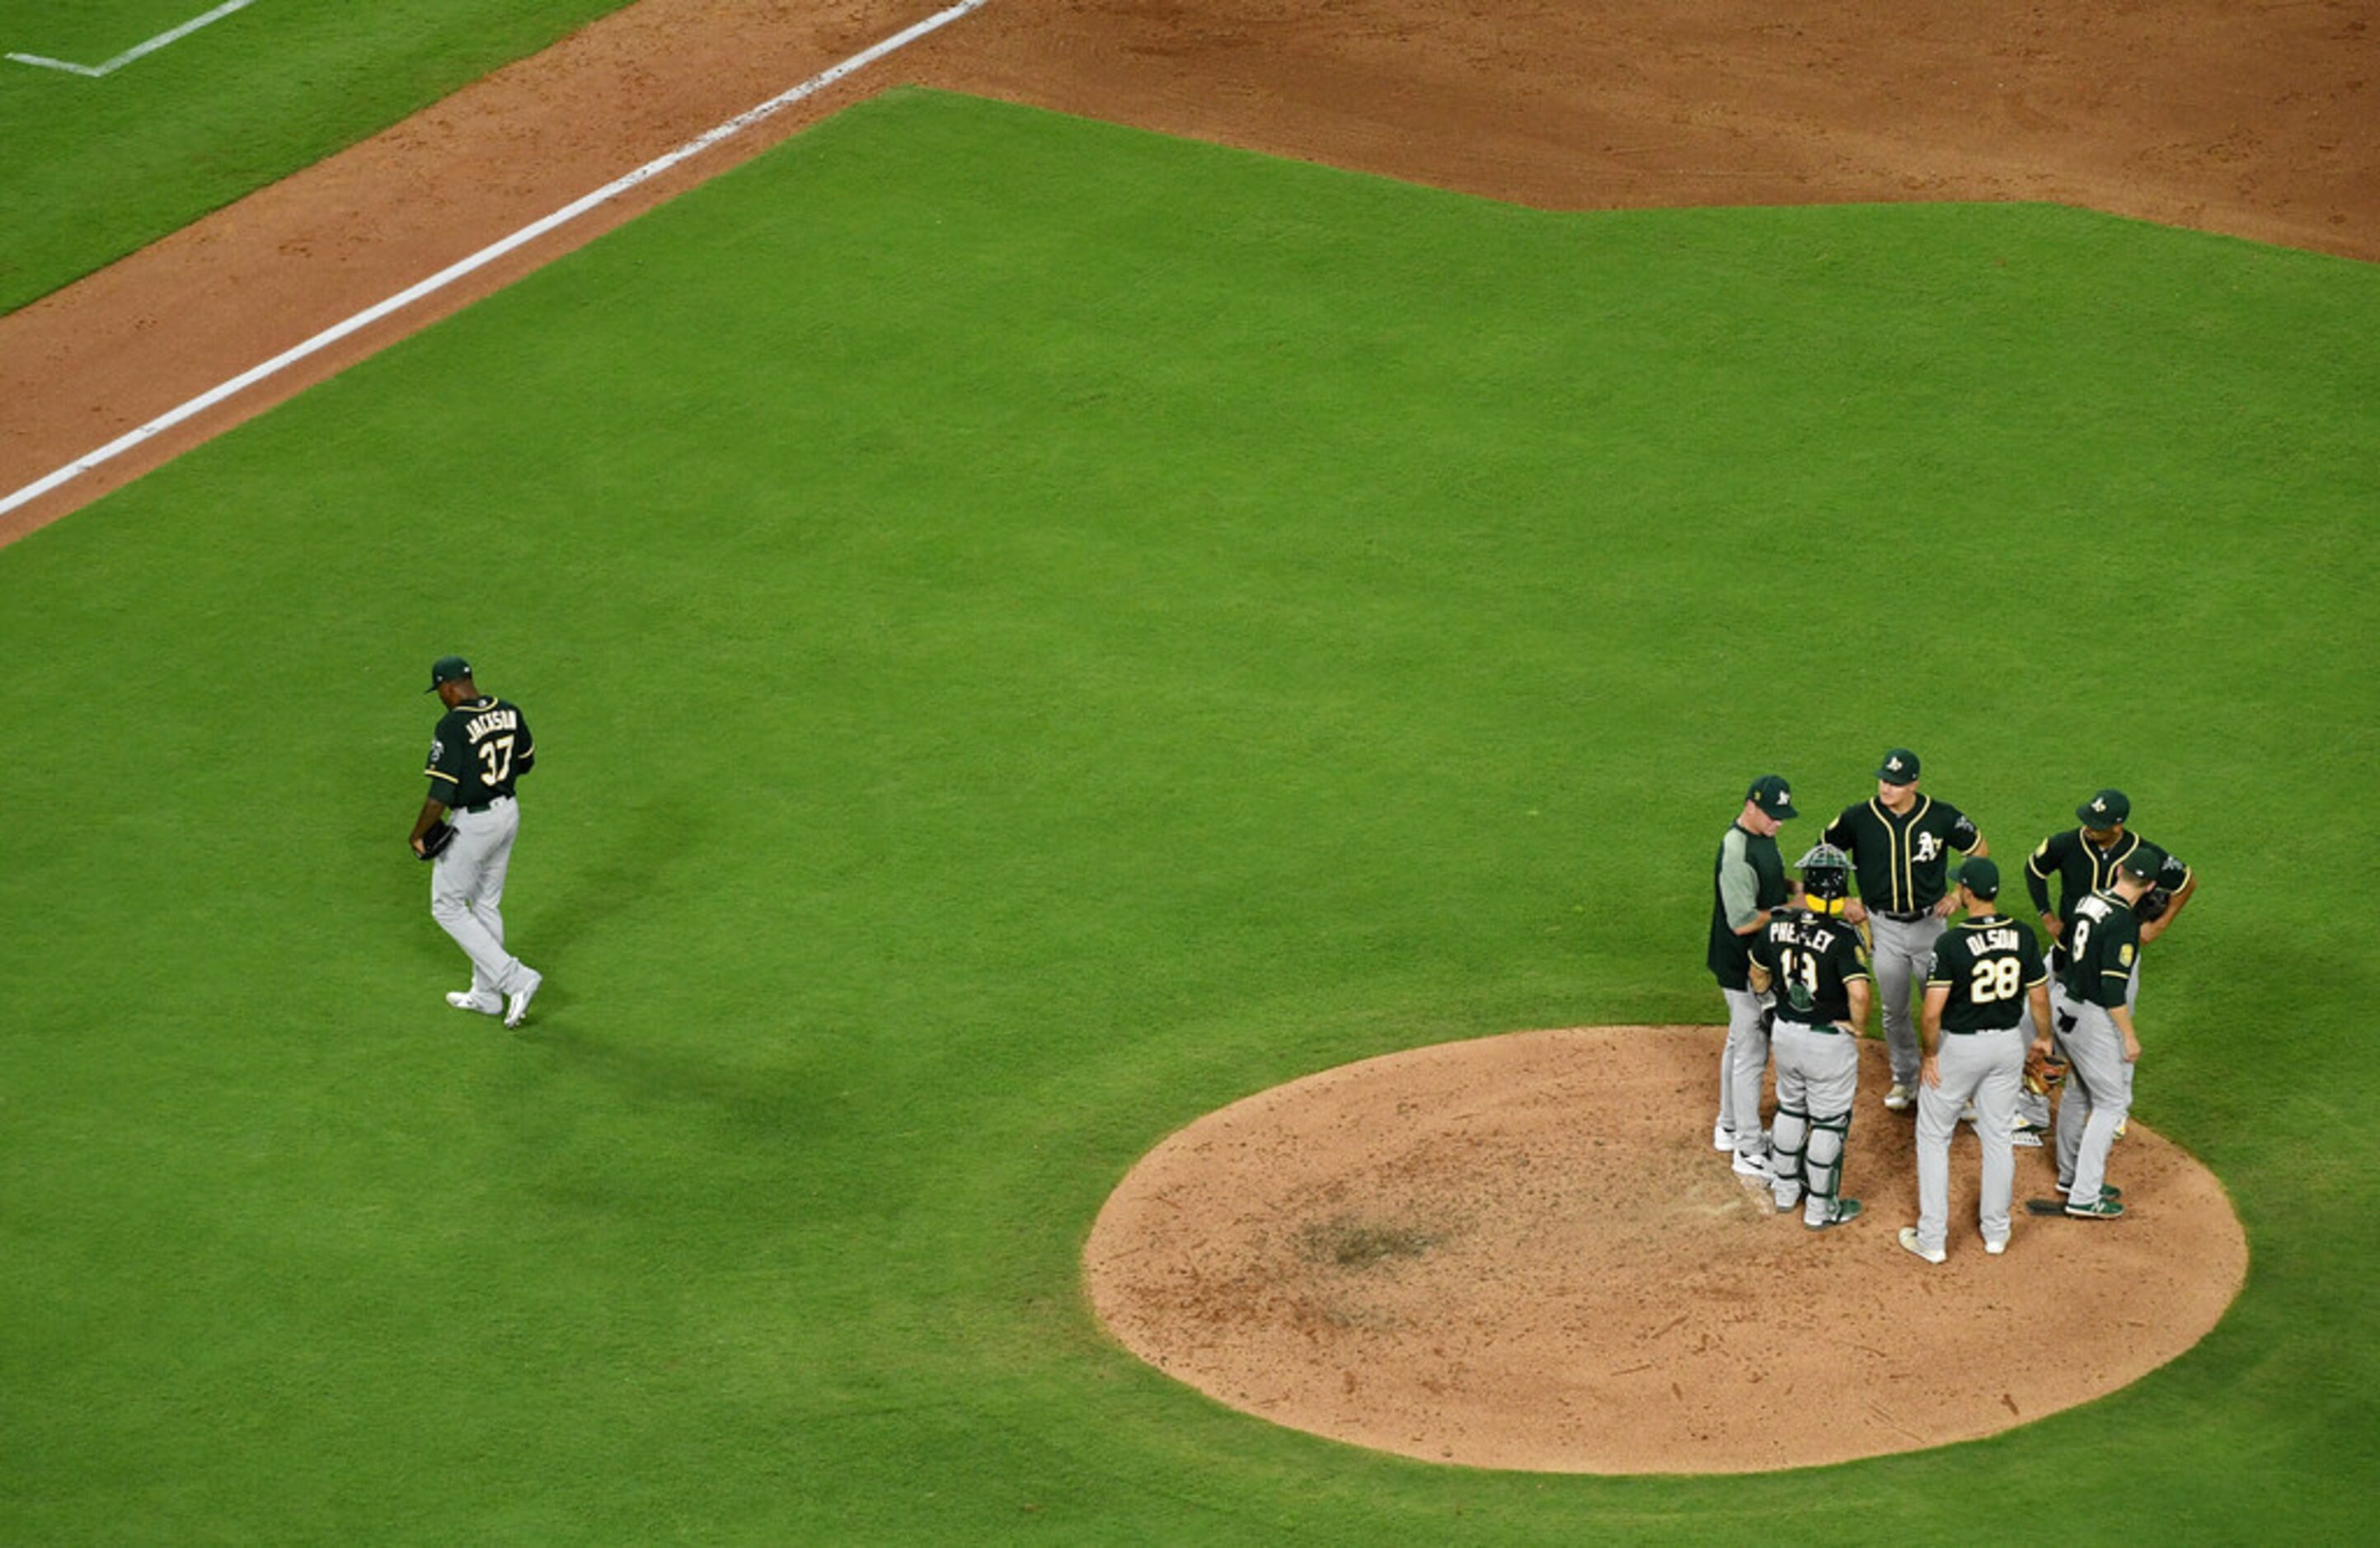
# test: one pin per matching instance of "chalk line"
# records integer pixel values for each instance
(485, 256)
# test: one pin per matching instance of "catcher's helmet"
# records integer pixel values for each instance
(1825, 873)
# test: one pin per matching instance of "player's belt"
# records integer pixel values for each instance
(485, 804)
(1903, 918)
(1827, 1027)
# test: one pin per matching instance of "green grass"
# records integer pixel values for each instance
(96, 168)
(1034, 631)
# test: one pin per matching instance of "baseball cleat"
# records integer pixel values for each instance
(2105, 1209)
(2125, 1123)
(1898, 1098)
(1786, 1200)
(516, 1005)
(1840, 1212)
(2026, 1139)
(2106, 1190)
(1753, 1165)
(471, 999)
(1995, 1248)
(1967, 1113)
(1722, 1137)
(1908, 1244)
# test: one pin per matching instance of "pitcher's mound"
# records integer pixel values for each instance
(1521, 1251)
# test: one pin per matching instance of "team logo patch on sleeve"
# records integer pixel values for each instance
(2124, 955)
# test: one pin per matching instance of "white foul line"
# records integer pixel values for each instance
(485, 256)
(136, 49)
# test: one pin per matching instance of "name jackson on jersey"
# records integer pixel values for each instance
(478, 751)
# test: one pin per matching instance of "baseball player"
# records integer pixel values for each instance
(2084, 860)
(482, 747)
(1900, 843)
(1747, 885)
(1812, 959)
(1986, 970)
(2102, 941)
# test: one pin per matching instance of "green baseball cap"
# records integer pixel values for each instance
(2143, 862)
(1899, 768)
(2104, 810)
(446, 669)
(1772, 795)
(1980, 876)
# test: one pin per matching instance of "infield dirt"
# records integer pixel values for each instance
(2254, 120)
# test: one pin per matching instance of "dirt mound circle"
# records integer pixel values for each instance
(1521, 1251)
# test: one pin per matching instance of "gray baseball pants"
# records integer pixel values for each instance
(1818, 1077)
(2099, 1095)
(1904, 955)
(1740, 1066)
(467, 894)
(1985, 1067)
(2033, 1109)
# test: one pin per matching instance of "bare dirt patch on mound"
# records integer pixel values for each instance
(1521, 1251)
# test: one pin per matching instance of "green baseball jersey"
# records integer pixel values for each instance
(1813, 959)
(480, 749)
(2103, 942)
(1902, 859)
(1988, 964)
(1749, 876)
(2083, 868)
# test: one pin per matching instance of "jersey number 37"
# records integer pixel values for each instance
(498, 756)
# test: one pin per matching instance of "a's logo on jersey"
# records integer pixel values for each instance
(437, 749)
(1928, 846)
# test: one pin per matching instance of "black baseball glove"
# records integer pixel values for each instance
(2153, 904)
(438, 838)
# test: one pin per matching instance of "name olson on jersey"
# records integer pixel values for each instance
(1999, 938)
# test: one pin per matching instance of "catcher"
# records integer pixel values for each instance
(1815, 962)
(1986, 971)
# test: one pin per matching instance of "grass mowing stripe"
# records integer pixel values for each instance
(1050, 631)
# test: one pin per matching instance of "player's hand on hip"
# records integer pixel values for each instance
(1929, 1071)
(1948, 906)
(1854, 912)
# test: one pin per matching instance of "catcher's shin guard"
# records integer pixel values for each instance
(1823, 1167)
(1785, 1143)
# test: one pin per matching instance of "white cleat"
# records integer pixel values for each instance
(1908, 1244)
(1898, 1098)
(471, 999)
(1967, 1113)
(516, 1005)
(1722, 1137)
(1995, 1248)
(1753, 1166)
(2026, 1137)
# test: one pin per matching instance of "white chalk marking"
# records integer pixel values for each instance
(136, 49)
(485, 256)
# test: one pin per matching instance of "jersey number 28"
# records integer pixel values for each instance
(1995, 978)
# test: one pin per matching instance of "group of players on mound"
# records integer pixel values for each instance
(1999, 1021)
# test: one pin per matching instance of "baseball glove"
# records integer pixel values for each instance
(437, 839)
(2153, 904)
(2042, 1071)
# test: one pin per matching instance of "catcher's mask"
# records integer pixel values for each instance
(1826, 878)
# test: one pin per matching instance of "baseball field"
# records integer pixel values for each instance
(1035, 631)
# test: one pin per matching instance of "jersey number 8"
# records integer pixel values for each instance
(1995, 978)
